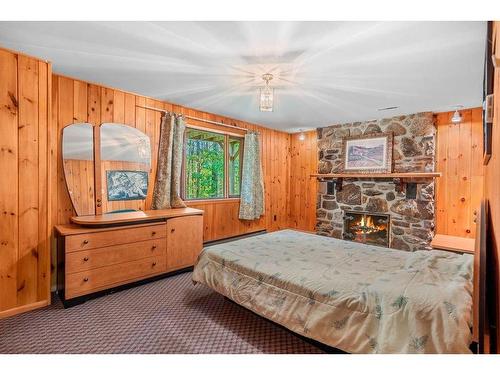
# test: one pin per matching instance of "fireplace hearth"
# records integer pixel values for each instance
(367, 227)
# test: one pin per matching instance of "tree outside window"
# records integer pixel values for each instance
(212, 165)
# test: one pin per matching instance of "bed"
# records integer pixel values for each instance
(354, 297)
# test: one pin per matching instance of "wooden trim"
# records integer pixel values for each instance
(25, 308)
(216, 123)
(226, 166)
(97, 170)
(241, 151)
(51, 168)
(212, 201)
(227, 137)
(378, 175)
(453, 243)
(480, 319)
(214, 129)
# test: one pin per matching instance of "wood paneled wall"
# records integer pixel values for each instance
(24, 163)
(492, 180)
(460, 160)
(78, 101)
(303, 188)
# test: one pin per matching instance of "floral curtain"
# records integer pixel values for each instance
(166, 192)
(252, 184)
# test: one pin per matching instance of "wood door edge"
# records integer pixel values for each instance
(25, 308)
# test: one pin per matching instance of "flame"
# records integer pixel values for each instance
(366, 225)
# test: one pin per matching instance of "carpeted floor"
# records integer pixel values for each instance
(167, 316)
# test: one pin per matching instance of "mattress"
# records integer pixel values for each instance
(354, 297)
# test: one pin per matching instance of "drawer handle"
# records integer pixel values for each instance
(85, 279)
(154, 264)
(153, 233)
(172, 230)
(153, 247)
(86, 259)
(85, 242)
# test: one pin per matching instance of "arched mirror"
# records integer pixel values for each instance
(125, 157)
(78, 165)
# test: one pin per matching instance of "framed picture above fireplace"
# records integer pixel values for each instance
(370, 153)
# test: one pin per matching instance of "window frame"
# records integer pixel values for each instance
(242, 142)
(227, 137)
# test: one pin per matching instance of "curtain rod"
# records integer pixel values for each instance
(194, 118)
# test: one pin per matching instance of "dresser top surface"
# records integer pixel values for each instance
(122, 220)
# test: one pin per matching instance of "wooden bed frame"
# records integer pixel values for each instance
(485, 304)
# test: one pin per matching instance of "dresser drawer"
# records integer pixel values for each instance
(106, 256)
(85, 282)
(114, 237)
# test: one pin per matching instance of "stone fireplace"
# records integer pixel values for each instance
(366, 227)
(410, 217)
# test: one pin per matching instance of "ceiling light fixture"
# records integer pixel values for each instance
(302, 136)
(457, 118)
(266, 94)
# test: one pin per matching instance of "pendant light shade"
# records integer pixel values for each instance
(266, 94)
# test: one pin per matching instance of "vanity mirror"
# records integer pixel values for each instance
(107, 168)
(125, 163)
(78, 165)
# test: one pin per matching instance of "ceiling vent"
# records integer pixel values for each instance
(387, 108)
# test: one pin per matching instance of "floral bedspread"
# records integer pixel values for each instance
(354, 297)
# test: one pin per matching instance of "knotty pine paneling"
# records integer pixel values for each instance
(79, 101)
(25, 214)
(303, 188)
(459, 158)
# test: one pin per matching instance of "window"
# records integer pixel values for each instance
(212, 165)
(235, 156)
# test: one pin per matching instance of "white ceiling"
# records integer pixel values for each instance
(325, 72)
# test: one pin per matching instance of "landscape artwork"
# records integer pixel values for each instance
(368, 154)
(126, 185)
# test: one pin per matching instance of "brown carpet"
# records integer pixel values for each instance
(167, 316)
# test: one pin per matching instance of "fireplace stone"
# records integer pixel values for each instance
(411, 213)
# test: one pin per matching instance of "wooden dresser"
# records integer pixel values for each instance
(112, 250)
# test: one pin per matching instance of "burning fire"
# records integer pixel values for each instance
(366, 225)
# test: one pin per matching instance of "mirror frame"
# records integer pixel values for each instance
(65, 171)
(98, 183)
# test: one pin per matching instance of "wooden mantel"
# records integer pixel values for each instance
(406, 175)
(404, 181)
